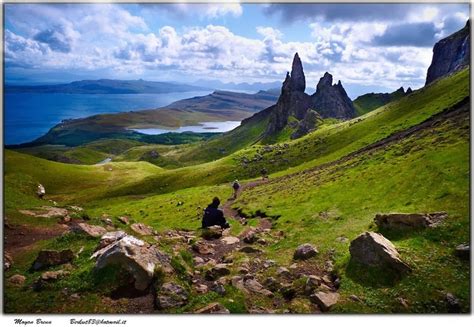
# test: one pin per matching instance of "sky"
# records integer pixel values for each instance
(369, 47)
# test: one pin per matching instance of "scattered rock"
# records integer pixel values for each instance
(124, 220)
(324, 300)
(198, 261)
(203, 248)
(411, 220)
(305, 251)
(463, 251)
(218, 287)
(372, 249)
(50, 276)
(217, 271)
(252, 285)
(213, 308)
(91, 230)
(283, 272)
(229, 240)
(201, 288)
(251, 237)
(47, 258)
(452, 303)
(108, 221)
(171, 296)
(342, 239)
(17, 280)
(7, 261)
(288, 291)
(109, 238)
(269, 263)
(272, 284)
(142, 229)
(249, 249)
(46, 212)
(212, 233)
(238, 282)
(136, 257)
(355, 298)
(403, 302)
(312, 283)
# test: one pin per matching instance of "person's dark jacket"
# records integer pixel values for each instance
(213, 216)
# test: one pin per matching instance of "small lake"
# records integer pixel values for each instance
(28, 116)
(203, 127)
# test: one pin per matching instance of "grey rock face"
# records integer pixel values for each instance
(372, 249)
(298, 81)
(309, 123)
(332, 100)
(450, 54)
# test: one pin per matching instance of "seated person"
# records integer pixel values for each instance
(214, 216)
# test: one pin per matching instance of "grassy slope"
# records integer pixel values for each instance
(368, 102)
(427, 172)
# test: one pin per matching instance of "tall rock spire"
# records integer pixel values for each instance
(298, 81)
(332, 100)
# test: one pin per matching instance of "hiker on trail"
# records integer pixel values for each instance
(264, 173)
(40, 191)
(214, 216)
(236, 187)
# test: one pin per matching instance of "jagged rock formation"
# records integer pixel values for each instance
(328, 101)
(332, 100)
(450, 54)
(292, 101)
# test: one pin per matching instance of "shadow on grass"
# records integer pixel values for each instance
(372, 276)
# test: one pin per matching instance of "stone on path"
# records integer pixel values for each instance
(212, 233)
(372, 249)
(203, 248)
(249, 249)
(229, 240)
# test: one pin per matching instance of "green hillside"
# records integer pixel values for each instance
(370, 101)
(410, 155)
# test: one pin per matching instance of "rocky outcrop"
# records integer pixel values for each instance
(292, 101)
(135, 256)
(372, 249)
(450, 54)
(409, 220)
(332, 100)
(309, 123)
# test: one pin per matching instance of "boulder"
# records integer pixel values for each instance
(229, 240)
(171, 296)
(142, 229)
(463, 251)
(324, 300)
(305, 251)
(48, 258)
(372, 249)
(109, 238)
(312, 283)
(213, 308)
(411, 220)
(253, 285)
(203, 248)
(283, 272)
(217, 271)
(124, 220)
(91, 230)
(17, 280)
(212, 233)
(50, 276)
(136, 257)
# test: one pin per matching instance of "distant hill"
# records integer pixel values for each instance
(106, 86)
(216, 84)
(370, 101)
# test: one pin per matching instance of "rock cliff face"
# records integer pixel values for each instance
(292, 101)
(332, 100)
(450, 54)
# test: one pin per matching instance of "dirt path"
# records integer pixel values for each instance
(227, 208)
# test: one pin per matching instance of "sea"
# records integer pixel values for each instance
(27, 116)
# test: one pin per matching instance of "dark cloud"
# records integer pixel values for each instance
(55, 38)
(354, 11)
(409, 34)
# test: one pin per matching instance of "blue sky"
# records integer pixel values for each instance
(369, 47)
